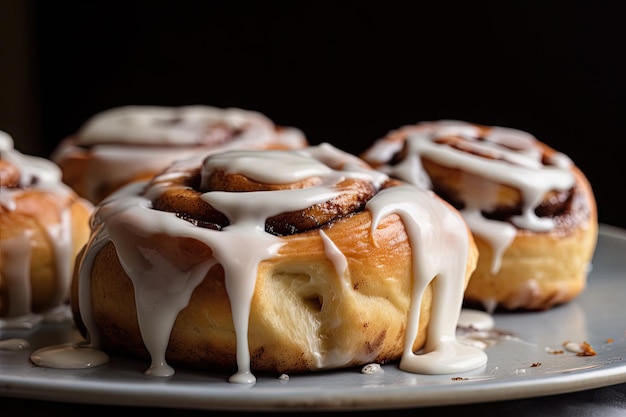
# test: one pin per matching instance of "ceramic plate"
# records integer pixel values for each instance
(529, 362)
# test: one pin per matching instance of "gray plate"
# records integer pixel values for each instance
(521, 366)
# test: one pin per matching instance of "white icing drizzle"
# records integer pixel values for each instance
(69, 356)
(186, 125)
(126, 219)
(335, 357)
(335, 256)
(35, 172)
(515, 159)
(131, 140)
(432, 229)
(14, 344)
(41, 175)
(476, 319)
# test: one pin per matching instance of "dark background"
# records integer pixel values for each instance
(345, 72)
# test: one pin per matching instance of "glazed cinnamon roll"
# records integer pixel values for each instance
(43, 224)
(130, 143)
(531, 210)
(283, 261)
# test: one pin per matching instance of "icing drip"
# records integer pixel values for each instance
(42, 176)
(129, 141)
(127, 219)
(432, 228)
(35, 172)
(500, 156)
(337, 258)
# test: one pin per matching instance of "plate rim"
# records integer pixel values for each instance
(178, 395)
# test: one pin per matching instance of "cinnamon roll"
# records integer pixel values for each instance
(130, 143)
(531, 209)
(283, 261)
(43, 225)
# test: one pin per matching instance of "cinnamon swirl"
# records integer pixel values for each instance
(276, 261)
(43, 225)
(129, 143)
(531, 210)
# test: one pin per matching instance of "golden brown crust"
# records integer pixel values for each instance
(75, 167)
(35, 212)
(150, 138)
(182, 196)
(300, 306)
(303, 309)
(541, 270)
(450, 182)
(538, 270)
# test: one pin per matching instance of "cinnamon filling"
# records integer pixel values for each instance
(185, 200)
(565, 207)
(449, 183)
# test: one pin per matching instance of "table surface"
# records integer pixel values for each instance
(606, 402)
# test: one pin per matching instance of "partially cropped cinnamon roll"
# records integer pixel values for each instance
(531, 210)
(129, 143)
(43, 224)
(276, 261)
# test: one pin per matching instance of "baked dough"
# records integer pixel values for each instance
(131, 143)
(44, 224)
(531, 210)
(375, 283)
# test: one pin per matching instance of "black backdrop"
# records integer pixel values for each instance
(346, 72)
